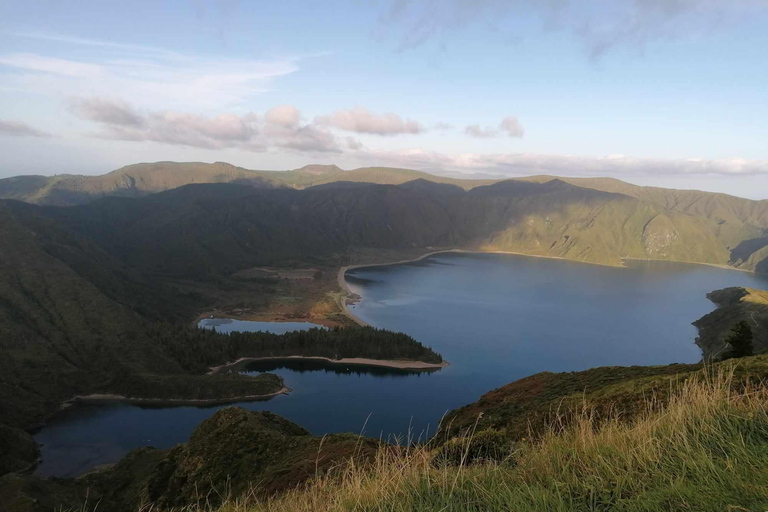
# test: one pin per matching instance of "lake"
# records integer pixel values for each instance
(495, 318)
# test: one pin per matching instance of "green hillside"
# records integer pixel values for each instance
(741, 223)
(734, 305)
(219, 229)
(232, 453)
(75, 320)
(147, 178)
(702, 447)
(549, 219)
(613, 438)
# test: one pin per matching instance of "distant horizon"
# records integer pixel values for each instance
(665, 93)
(453, 175)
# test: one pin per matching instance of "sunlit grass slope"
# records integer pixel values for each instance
(705, 448)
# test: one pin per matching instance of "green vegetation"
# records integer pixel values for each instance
(630, 439)
(198, 349)
(485, 446)
(75, 320)
(735, 305)
(18, 450)
(589, 219)
(740, 341)
(97, 298)
(527, 405)
(703, 449)
(233, 453)
(147, 178)
(206, 232)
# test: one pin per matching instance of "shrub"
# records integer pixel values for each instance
(489, 445)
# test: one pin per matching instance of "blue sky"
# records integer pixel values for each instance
(655, 92)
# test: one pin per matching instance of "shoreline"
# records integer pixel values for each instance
(98, 398)
(354, 361)
(714, 265)
(348, 297)
(266, 318)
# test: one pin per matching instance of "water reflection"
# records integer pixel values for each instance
(318, 365)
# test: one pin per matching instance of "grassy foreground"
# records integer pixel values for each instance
(704, 449)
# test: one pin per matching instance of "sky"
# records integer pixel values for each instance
(670, 93)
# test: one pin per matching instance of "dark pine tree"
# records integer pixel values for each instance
(740, 340)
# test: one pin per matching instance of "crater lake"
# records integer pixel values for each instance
(495, 318)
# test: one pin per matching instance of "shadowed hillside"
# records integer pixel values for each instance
(75, 320)
(734, 305)
(232, 453)
(575, 218)
(218, 229)
(627, 438)
(147, 178)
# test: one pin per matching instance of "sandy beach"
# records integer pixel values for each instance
(386, 363)
(105, 397)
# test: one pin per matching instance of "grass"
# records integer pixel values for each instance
(705, 448)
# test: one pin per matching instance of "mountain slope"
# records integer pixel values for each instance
(217, 229)
(742, 224)
(147, 178)
(131, 181)
(734, 305)
(75, 320)
(687, 225)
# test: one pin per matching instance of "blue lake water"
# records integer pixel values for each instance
(495, 318)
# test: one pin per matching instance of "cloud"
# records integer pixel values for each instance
(121, 47)
(151, 79)
(524, 164)
(512, 127)
(353, 144)
(286, 116)
(279, 127)
(600, 26)
(105, 111)
(54, 66)
(509, 125)
(360, 120)
(19, 129)
(474, 130)
(306, 137)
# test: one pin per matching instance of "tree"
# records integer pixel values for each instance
(740, 341)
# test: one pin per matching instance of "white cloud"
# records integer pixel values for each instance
(280, 127)
(151, 80)
(110, 112)
(512, 127)
(353, 144)
(600, 25)
(54, 66)
(475, 130)
(509, 125)
(286, 116)
(19, 129)
(360, 120)
(443, 126)
(524, 164)
(119, 47)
